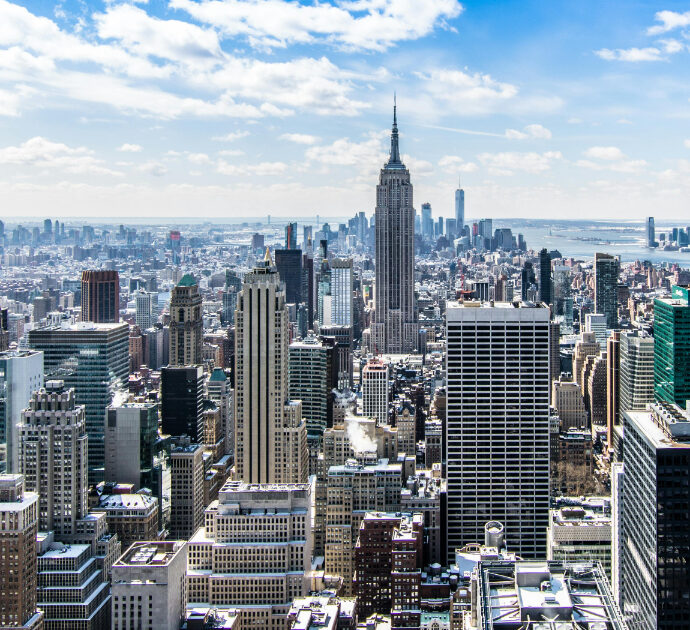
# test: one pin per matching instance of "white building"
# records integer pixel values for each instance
(375, 390)
(146, 305)
(636, 370)
(497, 367)
(596, 323)
(254, 552)
(149, 588)
(342, 288)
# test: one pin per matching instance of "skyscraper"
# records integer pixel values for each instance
(100, 296)
(182, 391)
(146, 314)
(289, 266)
(309, 381)
(459, 210)
(18, 564)
(375, 391)
(651, 233)
(545, 282)
(342, 288)
(427, 222)
(186, 323)
(606, 270)
(497, 366)
(291, 236)
(263, 417)
(528, 279)
(672, 347)
(653, 537)
(94, 360)
(53, 457)
(395, 327)
(636, 371)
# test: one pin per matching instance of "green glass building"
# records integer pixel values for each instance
(672, 347)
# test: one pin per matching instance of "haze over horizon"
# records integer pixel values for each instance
(216, 108)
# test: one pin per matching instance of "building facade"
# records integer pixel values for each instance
(100, 297)
(606, 272)
(186, 323)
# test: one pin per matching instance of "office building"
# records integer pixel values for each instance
(515, 594)
(563, 294)
(18, 566)
(654, 541)
(53, 457)
(395, 327)
(340, 340)
(587, 346)
(291, 236)
(289, 267)
(146, 309)
(132, 517)
(264, 421)
(182, 394)
(100, 297)
(497, 366)
(388, 567)
(253, 552)
(375, 390)
(342, 289)
(352, 490)
(651, 233)
(21, 374)
(459, 210)
(187, 490)
(309, 382)
(73, 591)
(568, 401)
(186, 323)
(220, 392)
(545, 282)
(636, 371)
(426, 494)
(672, 347)
(606, 271)
(94, 360)
(131, 444)
(595, 398)
(596, 323)
(528, 280)
(148, 586)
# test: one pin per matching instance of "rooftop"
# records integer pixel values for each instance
(150, 553)
(187, 281)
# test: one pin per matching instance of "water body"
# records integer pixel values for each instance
(582, 239)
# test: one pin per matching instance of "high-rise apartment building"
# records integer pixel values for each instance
(94, 360)
(53, 457)
(263, 418)
(253, 552)
(186, 490)
(342, 289)
(186, 323)
(18, 565)
(497, 367)
(21, 374)
(606, 272)
(545, 282)
(375, 390)
(148, 586)
(395, 327)
(653, 539)
(672, 346)
(182, 393)
(100, 297)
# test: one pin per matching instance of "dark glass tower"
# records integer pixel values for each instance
(545, 284)
(289, 266)
(182, 390)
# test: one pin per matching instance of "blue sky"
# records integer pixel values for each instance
(233, 108)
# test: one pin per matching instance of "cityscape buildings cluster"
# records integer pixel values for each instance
(402, 422)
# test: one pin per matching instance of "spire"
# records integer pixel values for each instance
(394, 159)
(267, 258)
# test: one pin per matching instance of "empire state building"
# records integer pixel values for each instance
(395, 327)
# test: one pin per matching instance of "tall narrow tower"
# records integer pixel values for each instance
(395, 327)
(186, 323)
(265, 424)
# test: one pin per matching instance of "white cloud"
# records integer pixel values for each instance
(130, 148)
(687, 143)
(353, 24)
(507, 162)
(231, 152)
(604, 153)
(199, 158)
(610, 158)
(232, 136)
(455, 164)
(299, 138)
(40, 152)
(574, 120)
(531, 131)
(670, 20)
(630, 54)
(263, 168)
(343, 152)
(153, 168)
(514, 134)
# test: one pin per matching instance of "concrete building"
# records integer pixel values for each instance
(653, 542)
(146, 309)
(322, 612)
(613, 384)
(587, 346)
(53, 457)
(149, 590)
(596, 323)
(596, 400)
(100, 296)
(221, 393)
(253, 552)
(568, 401)
(375, 390)
(21, 374)
(262, 416)
(426, 494)
(18, 565)
(187, 491)
(636, 370)
(186, 323)
(395, 327)
(497, 445)
(133, 517)
(352, 491)
(94, 360)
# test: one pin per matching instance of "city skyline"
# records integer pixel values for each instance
(138, 109)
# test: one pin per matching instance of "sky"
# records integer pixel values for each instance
(224, 109)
